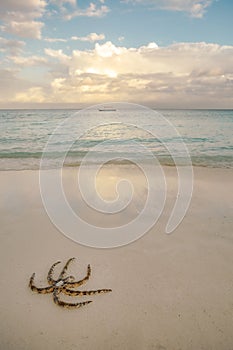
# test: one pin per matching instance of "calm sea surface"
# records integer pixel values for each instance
(207, 134)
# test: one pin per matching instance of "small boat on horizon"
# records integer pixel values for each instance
(107, 109)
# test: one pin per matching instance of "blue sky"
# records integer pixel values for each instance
(162, 53)
(144, 22)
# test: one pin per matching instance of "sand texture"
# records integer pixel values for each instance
(168, 291)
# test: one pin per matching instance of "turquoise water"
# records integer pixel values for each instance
(24, 134)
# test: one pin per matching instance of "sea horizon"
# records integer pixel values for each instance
(205, 132)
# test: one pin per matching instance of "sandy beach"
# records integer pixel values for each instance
(168, 291)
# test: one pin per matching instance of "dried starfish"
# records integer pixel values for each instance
(65, 285)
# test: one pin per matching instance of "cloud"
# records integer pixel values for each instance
(92, 37)
(195, 8)
(57, 54)
(108, 50)
(28, 6)
(10, 84)
(35, 94)
(62, 3)
(69, 9)
(182, 75)
(175, 75)
(92, 11)
(27, 29)
(20, 18)
(14, 47)
(28, 61)
(121, 38)
(55, 40)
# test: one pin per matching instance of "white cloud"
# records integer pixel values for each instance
(28, 61)
(54, 40)
(196, 8)
(92, 37)
(10, 84)
(69, 9)
(21, 17)
(180, 75)
(58, 54)
(62, 2)
(14, 47)
(27, 29)
(35, 94)
(108, 49)
(121, 38)
(23, 6)
(92, 11)
(176, 75)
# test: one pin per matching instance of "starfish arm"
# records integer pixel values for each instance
(72, 292)
(82, 281)
(41, 290)
(67, 305)
(62, 274)
(50, 273)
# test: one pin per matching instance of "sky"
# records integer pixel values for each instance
(159, 53)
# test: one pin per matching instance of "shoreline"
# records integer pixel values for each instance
(168, 291)
(123, 163)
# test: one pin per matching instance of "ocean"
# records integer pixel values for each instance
(207, 134)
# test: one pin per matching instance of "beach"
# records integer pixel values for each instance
(168, 291)
(116, 169)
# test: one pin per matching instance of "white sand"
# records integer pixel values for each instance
(169, 292)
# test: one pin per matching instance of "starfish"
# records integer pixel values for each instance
(65, 284)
